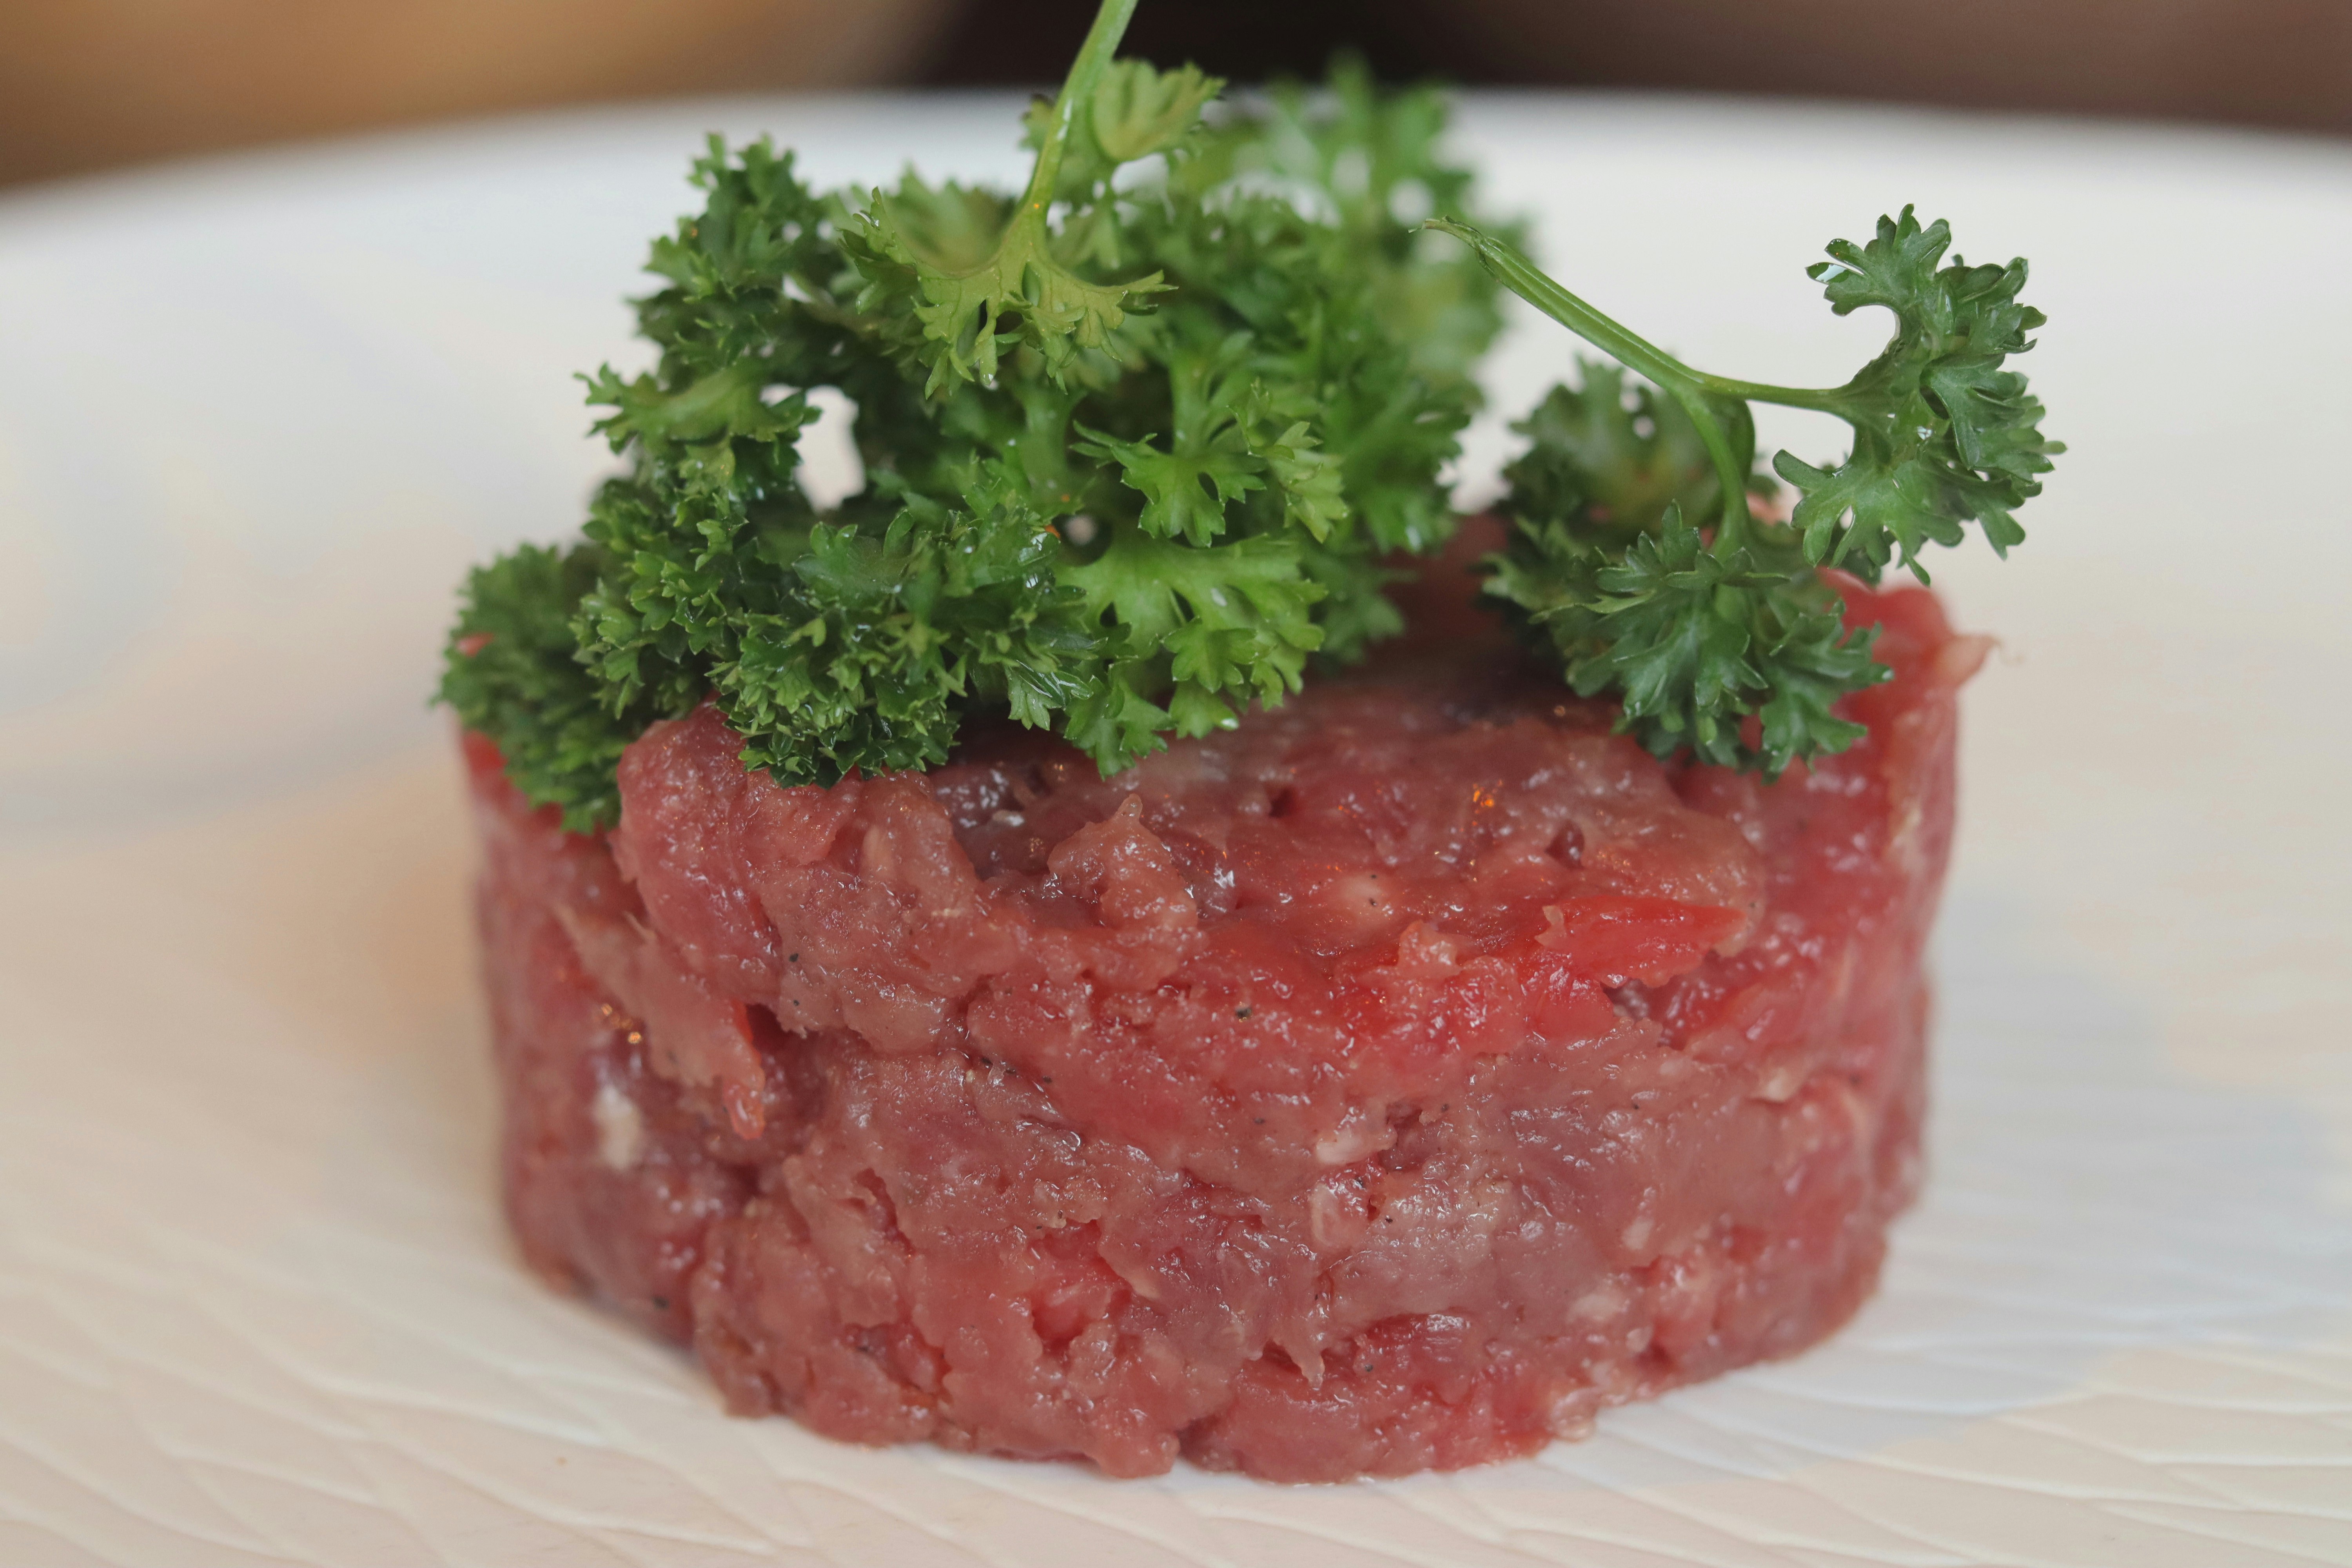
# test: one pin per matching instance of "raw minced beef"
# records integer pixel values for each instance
(1388, 1083)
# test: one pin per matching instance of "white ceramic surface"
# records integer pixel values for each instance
(256, 1304)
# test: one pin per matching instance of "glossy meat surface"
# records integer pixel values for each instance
(1388, 1084)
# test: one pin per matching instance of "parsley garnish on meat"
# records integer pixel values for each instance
(1637, 560)
(1135, 439)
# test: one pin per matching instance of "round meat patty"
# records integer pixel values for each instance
(1388, 1083)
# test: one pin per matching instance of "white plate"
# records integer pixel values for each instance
(256, 1302)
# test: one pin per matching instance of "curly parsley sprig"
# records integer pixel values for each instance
(1126, 114)
(1136, 440)
(1700, 629)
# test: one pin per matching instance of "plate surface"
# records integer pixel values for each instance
(256, 1302)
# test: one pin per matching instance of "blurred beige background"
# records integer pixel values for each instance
(86, 84)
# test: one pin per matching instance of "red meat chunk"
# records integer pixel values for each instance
(1389, 1083)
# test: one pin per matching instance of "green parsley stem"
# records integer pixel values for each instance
(1691, 388)
(1683, 384)
(1824, 400)
(1078, 89)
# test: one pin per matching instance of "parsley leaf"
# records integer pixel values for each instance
(1232, 620)
(1374, 164)
(1724, 639)
(1944, 435)
(885, 640)
(964, 294)
(1210, 464)
(512, 673)
(1139, 111)
(1692, 639)
(1185, 491)
(1616, 454)
(1135, 112)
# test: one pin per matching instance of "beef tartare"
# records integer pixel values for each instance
(1390, 1082)
(1088, 945)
